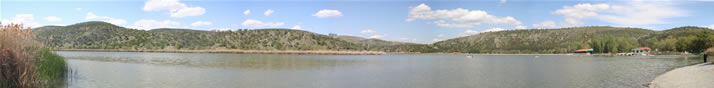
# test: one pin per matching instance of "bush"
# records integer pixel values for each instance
(709, 52)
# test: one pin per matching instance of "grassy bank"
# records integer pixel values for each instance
(51, 69)
(25, 64)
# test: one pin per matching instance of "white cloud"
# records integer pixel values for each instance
(503, 1)
(78, 9)
(176, 8)
(268, 12)
(327, 13)
(376, 36)
(297, 27)
(493, 30)
(246, 12)
(91, 16)
(435, 39)
(472, 32)
(521, 27)
(711, 27)
(25, 19)
(631, 13)
(258, 23)
(546, 24)
(144, 24)
(442, 23)
(467, 33)
(116, 21)
(53, 19)
(463, 18)
(157, 5)
(201, 23)
(404, 39)
(640, 13)
(368, 31)
(438, 38)
(220, 29)
(191, 11)
(372, 33)
(581, 11)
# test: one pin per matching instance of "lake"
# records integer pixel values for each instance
(223, 70)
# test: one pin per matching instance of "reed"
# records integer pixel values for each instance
(24, 64)
(50, 68)
(16, 57)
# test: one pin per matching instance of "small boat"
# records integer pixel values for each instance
(469, 56)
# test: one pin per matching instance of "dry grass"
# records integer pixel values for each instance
(16, 57)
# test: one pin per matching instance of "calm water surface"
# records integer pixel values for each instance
(211, 70)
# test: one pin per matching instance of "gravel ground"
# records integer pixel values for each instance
(696, 76)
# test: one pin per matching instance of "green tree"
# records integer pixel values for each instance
(702, 42)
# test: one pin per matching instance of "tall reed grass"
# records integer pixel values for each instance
(24, 64)
(50, 68)
(16, 59)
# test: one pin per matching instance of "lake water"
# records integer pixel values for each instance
(215, 70)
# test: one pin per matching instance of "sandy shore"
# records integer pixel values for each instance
(324, 52)
(695, 76)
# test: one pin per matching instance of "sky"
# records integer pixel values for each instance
(418, 21)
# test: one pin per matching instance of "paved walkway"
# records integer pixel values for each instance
(696, 76)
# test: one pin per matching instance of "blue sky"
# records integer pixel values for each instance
(419, 21)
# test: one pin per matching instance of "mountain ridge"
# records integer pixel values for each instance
(102, 35)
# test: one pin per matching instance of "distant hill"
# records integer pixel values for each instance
(102, 35)
(563, 40)
(382, 45)
(680, 39)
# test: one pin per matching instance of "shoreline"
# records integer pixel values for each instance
(307, 52)
(560, 54)
(693, 76)
(317, 52)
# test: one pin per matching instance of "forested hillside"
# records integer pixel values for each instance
(680, 39)
(101, 35)
(564, 40)
(604, 39)
(390, 46)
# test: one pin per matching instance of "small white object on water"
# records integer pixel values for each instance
(537, 56)
(469, 56)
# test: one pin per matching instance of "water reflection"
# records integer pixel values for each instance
(243, 61)
(207, 70)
